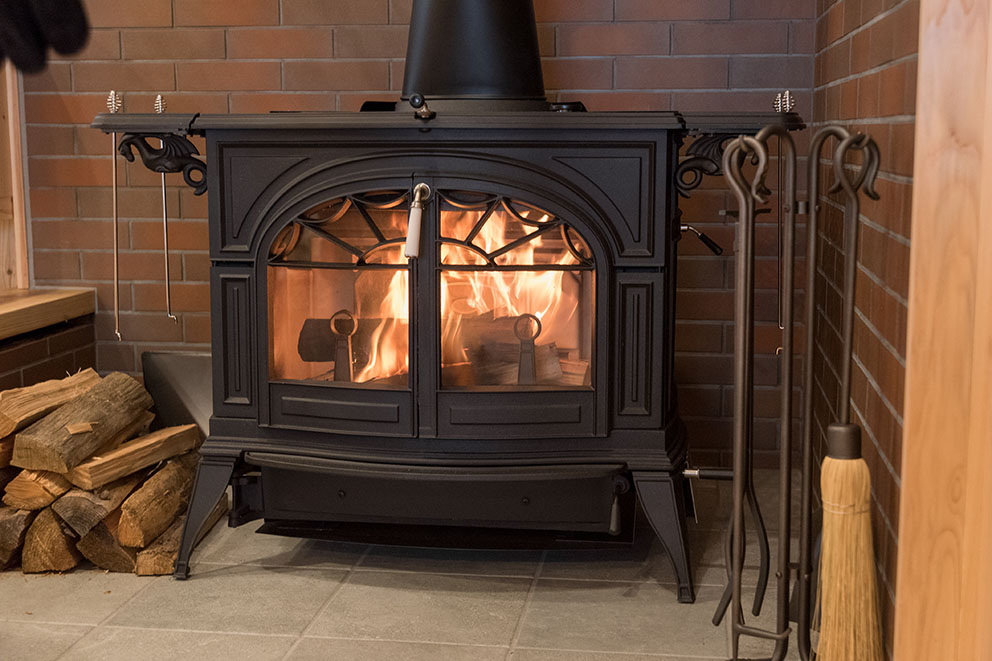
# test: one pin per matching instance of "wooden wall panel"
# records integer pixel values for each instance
(944, 581)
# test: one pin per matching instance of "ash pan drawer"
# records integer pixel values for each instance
(562, 497)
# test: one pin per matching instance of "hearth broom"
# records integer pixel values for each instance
(847, 597)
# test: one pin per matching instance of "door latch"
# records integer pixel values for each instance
(421, 193)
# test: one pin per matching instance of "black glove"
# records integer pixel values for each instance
(29, 27)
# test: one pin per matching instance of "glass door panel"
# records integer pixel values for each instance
(517, 296)
(338, 294)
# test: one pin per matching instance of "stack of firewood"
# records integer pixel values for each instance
(83, 478)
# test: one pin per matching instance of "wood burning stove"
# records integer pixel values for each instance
(448, 314)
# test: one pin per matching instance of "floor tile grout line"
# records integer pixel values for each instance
(327, 602)
(212, 632)
(405, 641)
(48, 623)
(527, 601)
(657, 655)
(110, 615)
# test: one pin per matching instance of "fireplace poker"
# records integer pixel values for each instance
(160, 108)
(115, 103)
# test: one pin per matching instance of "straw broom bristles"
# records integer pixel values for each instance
(847, 595)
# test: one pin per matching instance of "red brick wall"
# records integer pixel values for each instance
(866, 79)
(47, 353)
(258, 55)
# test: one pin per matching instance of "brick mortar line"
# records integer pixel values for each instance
(819, 386)
(868, 72)
(866, 220)
(874, 384)
(864, 26)
(885, 462)
(884, 287)
(867, 121)
(881, 338)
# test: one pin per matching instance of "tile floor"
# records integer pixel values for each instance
(265, 597)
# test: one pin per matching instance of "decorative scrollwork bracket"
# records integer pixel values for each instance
(704, 157)
(176, 154)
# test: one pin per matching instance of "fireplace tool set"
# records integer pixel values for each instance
(742, 153)
(172, 155)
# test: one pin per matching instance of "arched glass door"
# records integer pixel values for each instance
(339, 294)
(517, 296)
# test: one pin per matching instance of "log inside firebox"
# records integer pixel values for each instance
(498, 363)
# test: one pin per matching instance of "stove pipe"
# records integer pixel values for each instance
(474, 55)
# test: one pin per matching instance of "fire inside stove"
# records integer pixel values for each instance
(515, 294)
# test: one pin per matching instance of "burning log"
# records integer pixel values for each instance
(498, 363)
(575, 373)
(148, 511)
(14, 526)
(110, 407)
(49, 545)
(34, 490)
(100, 546)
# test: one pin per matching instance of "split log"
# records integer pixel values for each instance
(82, 510)
(498, 363)
(159, 559)
(100, 546)
(135, 455)
(111, 406)
(49, 545)
(35, 490)
(7, 474)
(139, 427)
(148, 511)
(19, 407)
(575, 373)
(6, 450)
(13, 528)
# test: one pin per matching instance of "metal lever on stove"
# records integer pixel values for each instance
(159, 109)
(420, 108)
(115, 102)
(421, 193)
(707, 241)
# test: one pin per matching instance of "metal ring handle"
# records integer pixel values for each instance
(343, 314)
(520, 331)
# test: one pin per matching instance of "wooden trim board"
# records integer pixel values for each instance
(944, 577)
(25, 310)
(13, 228)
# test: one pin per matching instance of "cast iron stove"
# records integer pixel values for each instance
(457, 311)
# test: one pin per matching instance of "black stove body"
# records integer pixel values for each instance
(458, 312)
(308, 217)
(517, 373)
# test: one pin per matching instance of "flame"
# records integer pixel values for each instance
(477, 306)
(467, 294)
(389, 351)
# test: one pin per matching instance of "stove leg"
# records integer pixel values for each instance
(212, 478)
(663, 501)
